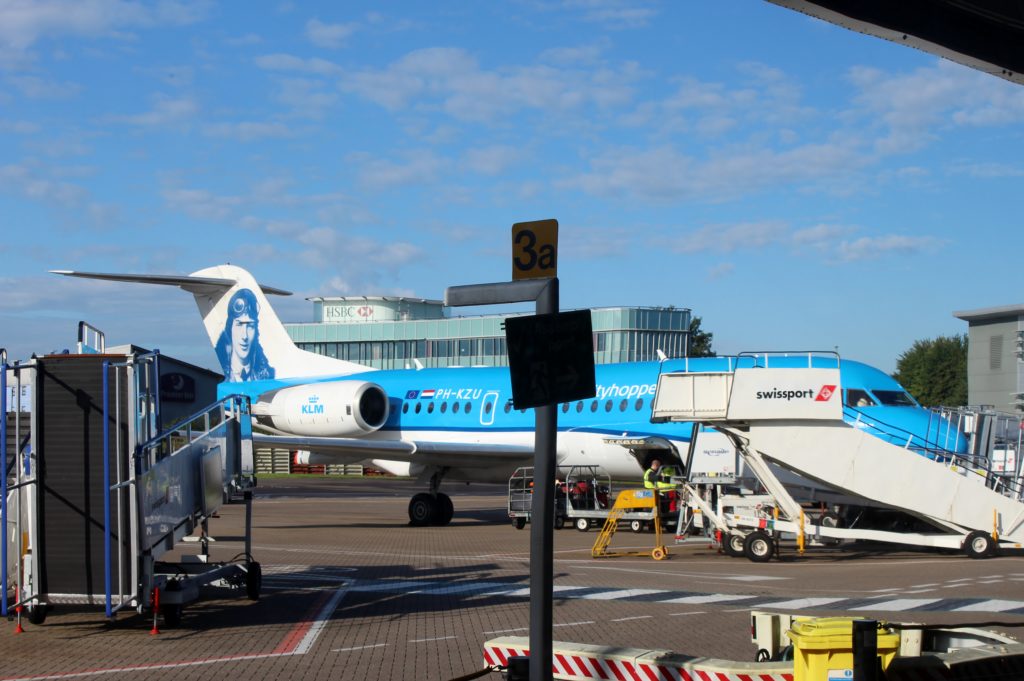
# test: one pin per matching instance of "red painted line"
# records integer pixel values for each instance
(599, 667)
(651, 674)
(632, 671)
(294, 637)
(615, 670)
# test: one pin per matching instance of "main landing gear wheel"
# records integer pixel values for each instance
(582, 524)
(758, 547)
(421, 509)
(979, 545)
(733, 545)
(444, 509)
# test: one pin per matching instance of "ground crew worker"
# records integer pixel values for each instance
(652, 479)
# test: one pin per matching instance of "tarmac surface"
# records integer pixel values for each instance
(351, 591)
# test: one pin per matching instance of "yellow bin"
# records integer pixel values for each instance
(823, 648)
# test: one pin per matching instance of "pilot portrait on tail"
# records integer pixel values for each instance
(238, 349)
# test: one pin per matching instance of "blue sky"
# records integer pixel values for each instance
(796, 184)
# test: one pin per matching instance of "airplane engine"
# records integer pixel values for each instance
(330, 409)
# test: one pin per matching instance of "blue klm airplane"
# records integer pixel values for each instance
(459, 423)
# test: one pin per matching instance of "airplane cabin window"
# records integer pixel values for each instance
(593, 406)
(488, 407)
(623, 404)
(894, 398)
(508, 407)
(639, 403)
(469, 407)
(418, 407)
(455, 407)
(405, 408)
(430, 407)
(565, 407)
(579, 407)
(859, 398)
(444, 407)
(608, 405)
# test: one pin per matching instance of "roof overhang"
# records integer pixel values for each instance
(987, 35)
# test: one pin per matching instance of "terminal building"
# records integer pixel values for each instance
(397, 332)
(995, 357)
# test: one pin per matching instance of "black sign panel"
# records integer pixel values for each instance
(177, 387)
(551, 358)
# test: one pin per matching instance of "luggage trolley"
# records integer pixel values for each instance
(583, 496)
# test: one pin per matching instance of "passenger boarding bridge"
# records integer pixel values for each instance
(794, 417)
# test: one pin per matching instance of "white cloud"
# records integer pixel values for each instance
(306, 98)
(451, 80)
(201, 204)
(730, 238)
(422, 167)
(987, 171)
(19, 127)
(30, 183)
(244, 40)
(25, 22)
(819, 237)
(331, 36)
(247, 131)
(33, 87)
(166, 111)
(291, 63)
(721, 270)
(492, 160)
(868, 247)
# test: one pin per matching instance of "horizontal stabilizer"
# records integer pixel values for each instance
(190, 283)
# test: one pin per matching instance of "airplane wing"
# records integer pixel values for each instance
(453, 454)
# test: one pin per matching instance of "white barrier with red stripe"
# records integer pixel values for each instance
(583, 662)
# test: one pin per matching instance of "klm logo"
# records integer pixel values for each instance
(313, 407)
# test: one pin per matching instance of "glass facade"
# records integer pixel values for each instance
(621, 334)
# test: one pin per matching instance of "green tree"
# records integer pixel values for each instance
(700, 341)
(935, 371)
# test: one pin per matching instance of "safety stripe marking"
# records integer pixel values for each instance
(993, 605)
(798, 603)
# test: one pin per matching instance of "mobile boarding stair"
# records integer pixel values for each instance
(800, 427)
(93, 496)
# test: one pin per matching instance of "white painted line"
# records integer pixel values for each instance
(637, 617)
(681, 614)
(797, 603)
(621, 593)
(427, 640)
(345, 650)
(899, 604)
(572, 624)
(710, 598)
(507, 631)
(993, 605)
(320, 622)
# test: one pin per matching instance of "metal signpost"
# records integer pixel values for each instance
(534, 273)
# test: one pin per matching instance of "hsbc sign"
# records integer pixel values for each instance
(785, 394)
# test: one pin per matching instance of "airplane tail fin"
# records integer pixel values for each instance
(249, 339)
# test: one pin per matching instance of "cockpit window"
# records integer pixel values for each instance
(894, 398)
(859, 398)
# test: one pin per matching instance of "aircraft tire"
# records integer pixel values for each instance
(444, 510)
(421, 509)
(979, 544)
(830, 519)
(733, 545)
(253, 581)
(758, 547)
